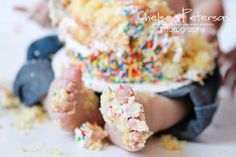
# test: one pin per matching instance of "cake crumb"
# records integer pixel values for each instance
(36, 148)
(90, 136)
(29, 117)
(170, 142)
(53, 151)
(7, 98)
(44, 149)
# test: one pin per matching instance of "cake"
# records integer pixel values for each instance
(90, 136)
(113, 46)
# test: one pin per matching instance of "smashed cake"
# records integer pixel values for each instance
(113, 46)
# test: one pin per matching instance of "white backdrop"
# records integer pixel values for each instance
(16, 32)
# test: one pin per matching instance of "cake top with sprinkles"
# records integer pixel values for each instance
(107, 25)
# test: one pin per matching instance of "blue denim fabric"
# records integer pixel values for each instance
(203, 101)
(35, 76)
(32, 81)
(44, 48)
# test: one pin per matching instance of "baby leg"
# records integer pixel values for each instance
(70, 104)
(132, 117)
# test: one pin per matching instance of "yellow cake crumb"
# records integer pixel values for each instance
(54, 151)
(29, 117)
(44, 149)
(36, 148)
(170, 143)
(7, 98)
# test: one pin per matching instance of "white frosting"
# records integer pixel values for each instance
(64, 26)
(100, 85)
(179, 49)
(56, 11)
(60, 62)
(193, 74)
(77, 47)
(99, 45)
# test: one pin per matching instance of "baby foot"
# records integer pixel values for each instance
(125, 119)
(70, 104)
(132, 117)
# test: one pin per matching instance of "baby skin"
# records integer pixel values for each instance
(130, 117)
(70, 104)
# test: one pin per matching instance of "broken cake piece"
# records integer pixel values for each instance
(90, 136)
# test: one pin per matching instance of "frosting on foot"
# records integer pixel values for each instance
(70, 104)
(122, 112)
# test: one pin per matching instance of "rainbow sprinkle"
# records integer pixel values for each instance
(141, 63)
